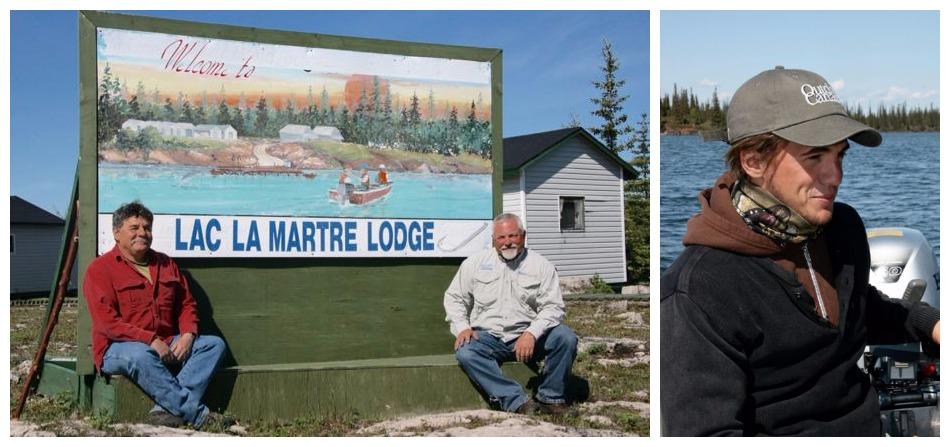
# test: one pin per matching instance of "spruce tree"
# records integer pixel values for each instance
(614, 128)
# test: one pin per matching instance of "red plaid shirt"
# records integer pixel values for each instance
(124, 306)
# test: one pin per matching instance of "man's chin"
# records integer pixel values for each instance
(140, 250)
(821, 217)
(510, 254)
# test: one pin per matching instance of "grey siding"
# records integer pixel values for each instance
(33, 261)
(511, 196)
(577, 169)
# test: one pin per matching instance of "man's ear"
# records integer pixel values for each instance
(752, 164)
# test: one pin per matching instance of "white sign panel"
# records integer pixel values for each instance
(212, 236)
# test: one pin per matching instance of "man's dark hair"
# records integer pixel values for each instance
(128, 210)
(764, 146)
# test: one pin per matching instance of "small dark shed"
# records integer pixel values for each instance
(36, 237)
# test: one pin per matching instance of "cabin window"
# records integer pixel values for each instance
(571, 214)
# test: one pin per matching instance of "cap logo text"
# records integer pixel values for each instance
(818, 95)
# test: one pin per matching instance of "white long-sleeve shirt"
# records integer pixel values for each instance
(505, 298)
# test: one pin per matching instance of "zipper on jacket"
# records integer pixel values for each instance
(810, 269)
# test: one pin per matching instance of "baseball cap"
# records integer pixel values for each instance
(797, 105)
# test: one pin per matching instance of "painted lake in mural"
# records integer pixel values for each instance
(164, 189)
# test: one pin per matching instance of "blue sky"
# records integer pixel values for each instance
(550, 59)
(869, 56)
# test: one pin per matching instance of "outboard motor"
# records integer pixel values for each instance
(902, 265)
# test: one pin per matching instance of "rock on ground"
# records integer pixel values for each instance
(21, 428)
(21, 370)
(154, 430)
(634, 289)
(641, 407)
(472, 423)
(625, 363)
(617, 306)
(600, 420)
(83, 428)
(614, 346)
(631, 319)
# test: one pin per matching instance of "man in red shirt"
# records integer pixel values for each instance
(145, 323)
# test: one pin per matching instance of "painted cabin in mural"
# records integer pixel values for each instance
(299, 133)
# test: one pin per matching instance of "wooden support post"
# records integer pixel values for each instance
(53, 317)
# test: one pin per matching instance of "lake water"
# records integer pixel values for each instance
(193, 190)
(893, 185)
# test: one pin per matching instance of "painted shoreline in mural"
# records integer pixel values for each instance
(209, 126)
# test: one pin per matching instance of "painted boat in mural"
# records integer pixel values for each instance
(362, 197)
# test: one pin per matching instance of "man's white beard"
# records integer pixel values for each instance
(509, 253)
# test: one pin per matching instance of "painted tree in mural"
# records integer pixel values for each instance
(262, 116)
(237, 122)
(111, 106)
(372, 121)
(223, 113)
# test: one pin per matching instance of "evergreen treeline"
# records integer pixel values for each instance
(898, 118)
(682, 111)
(373, 122)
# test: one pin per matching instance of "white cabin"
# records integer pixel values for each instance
(567, 187)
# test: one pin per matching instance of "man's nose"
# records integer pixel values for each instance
(833, 173)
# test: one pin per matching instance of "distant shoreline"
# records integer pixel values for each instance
(253, 152)
(691, 131)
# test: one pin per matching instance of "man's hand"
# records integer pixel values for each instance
(164, 352)
(464, 337)
(524, 348)
(181, 348)
(936, 333)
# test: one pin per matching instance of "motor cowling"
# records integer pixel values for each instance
(903, 265)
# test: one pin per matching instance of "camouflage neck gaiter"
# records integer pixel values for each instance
(767, 215)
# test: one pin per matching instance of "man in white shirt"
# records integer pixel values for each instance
(505, 304)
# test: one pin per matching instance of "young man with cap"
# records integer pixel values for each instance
(764, 315)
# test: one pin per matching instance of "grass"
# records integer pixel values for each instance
(593, 319)
(25, 330)
(309, 426)
(608, 383)
(612, 382)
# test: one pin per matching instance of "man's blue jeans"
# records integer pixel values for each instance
(178, 394)
(481, 359)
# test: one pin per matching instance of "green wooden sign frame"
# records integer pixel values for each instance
(292, 311)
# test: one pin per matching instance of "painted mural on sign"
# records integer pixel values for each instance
(203, 126)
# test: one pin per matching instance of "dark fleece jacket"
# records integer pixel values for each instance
(743, 351)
